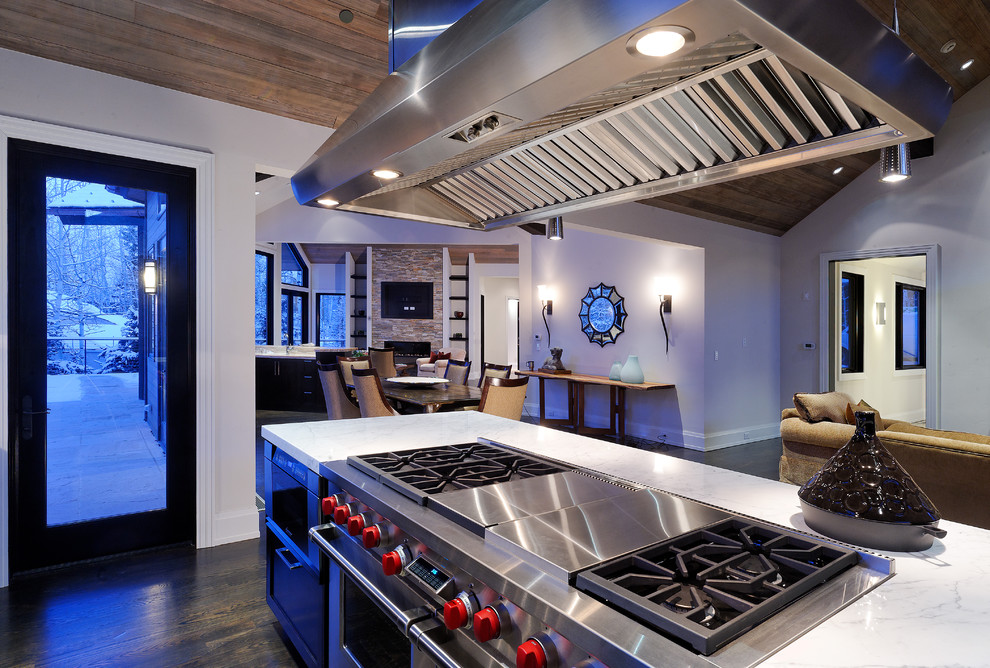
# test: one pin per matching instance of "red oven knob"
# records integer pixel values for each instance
(328, 503)
(393, 562)
(355, 524)
(459, 611)
(342, 513)
(371, 536)
(531, 655)
(537, 652)
(455, 614)
(487, 624)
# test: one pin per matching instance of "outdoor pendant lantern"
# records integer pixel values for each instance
(150, 277)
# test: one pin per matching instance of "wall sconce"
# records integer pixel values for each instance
(881, 313)
(555, 228)
(149, 277)
(665, 288)
(546, 298)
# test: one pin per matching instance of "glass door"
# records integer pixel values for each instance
(101, 342)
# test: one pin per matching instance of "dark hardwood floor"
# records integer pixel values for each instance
(172, 607)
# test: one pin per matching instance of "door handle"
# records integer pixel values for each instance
(27, 417)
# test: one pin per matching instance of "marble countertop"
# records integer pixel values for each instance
(301, 352)
(934, 612)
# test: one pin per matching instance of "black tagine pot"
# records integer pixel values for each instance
(864, 497)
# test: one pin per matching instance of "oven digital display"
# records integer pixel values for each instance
(432, 576)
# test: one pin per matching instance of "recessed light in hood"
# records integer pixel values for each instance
(386, 174)
(660, 41)
(762, 85)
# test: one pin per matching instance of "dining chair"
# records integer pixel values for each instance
(383, 359)
(494, 371)
(370, 395)
(457, 372)
(340, 405)
(348, 364)
(503, 397)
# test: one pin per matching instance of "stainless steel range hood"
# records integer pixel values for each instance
(528, 109)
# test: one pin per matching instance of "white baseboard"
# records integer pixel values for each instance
(235, 526)
(731, 437)
(683, 439)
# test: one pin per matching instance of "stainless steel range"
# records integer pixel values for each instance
(481, 555)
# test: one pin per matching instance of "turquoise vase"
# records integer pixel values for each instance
(631, 371)
(616, 372)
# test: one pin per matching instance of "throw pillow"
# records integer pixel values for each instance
(862, 406)
(438, 356)
(827, 406)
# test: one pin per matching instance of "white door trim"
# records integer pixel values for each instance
(933, 323)
(203, 163)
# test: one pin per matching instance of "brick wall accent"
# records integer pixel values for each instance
(417, 265)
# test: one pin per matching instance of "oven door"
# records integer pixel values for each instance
(380, 622)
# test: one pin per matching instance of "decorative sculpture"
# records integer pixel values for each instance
(552, 363)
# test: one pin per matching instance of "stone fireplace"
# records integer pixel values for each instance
(417, 265)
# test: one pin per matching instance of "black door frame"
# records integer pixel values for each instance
(31, 548)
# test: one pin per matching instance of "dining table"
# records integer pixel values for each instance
(430, 396)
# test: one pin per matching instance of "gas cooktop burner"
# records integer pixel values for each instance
(709, 586)
(419, 473)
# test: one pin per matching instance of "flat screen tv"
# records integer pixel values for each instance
(412, 301)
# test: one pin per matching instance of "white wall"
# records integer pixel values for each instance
(719, 403)
(946, 203)
(898, 395)
(241, 142)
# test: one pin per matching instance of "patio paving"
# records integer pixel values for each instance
(103, 460)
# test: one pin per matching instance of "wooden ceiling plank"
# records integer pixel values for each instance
(128, 50)
(731, 219)
(285, 25)
(366, 22)
(283, 49)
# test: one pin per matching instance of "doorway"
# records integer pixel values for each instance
(879, 322)
(101, 364)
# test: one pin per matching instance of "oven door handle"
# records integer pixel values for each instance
(422, 636)
(401, 618)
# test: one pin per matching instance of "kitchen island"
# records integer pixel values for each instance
(933, 612)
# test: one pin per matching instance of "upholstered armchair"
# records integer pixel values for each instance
(433, 366)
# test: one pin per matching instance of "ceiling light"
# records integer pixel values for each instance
(386, 174)
(659, 41)
(257, 192)
(967, 64)
(837, 171)
(555, 228)
(895, 163)
(948, 46)
(326, 201)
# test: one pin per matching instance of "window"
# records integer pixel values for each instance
(330, 314)
(910, 328)
(294, 271)
(264, 264)
(295, 318)
(852, 323)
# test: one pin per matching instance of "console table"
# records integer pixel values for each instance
(576, 383)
